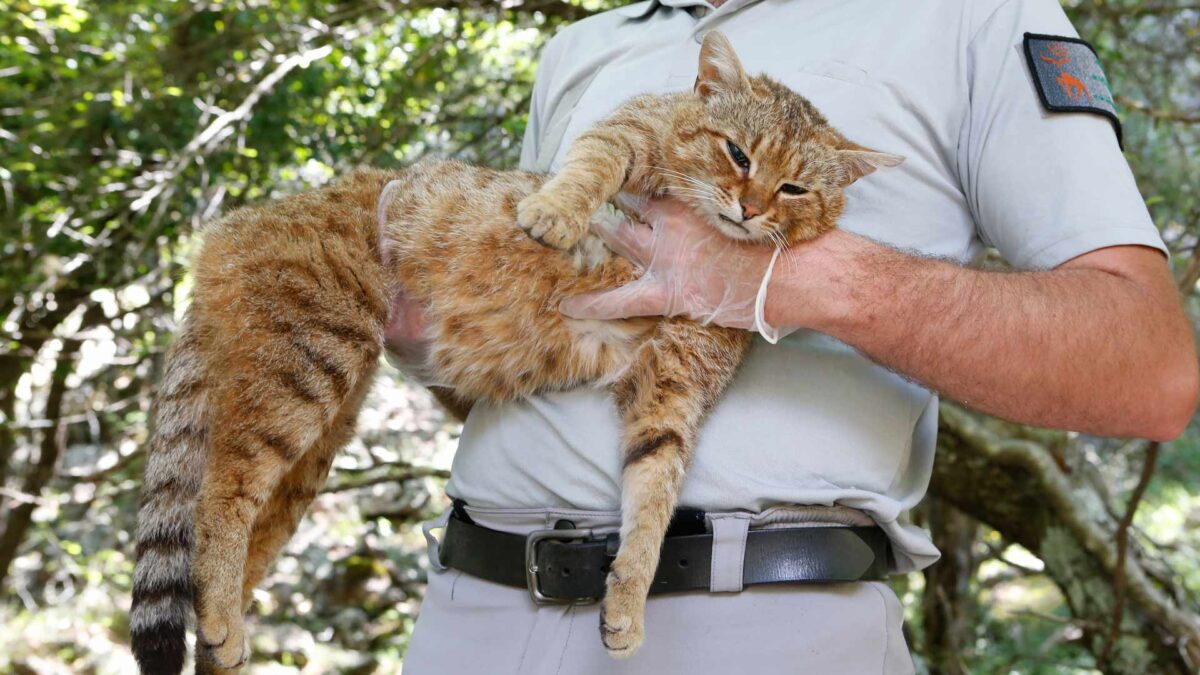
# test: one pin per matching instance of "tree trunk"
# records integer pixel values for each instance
(18, 518)
(1028, 485)
(946, 606)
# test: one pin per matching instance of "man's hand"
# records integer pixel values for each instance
(405, 335)
(690, 269)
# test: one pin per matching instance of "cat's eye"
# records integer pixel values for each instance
(791, 189)
(738, 156)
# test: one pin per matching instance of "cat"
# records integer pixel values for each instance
(279, 347)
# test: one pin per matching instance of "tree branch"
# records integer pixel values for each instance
(1014, 485)
(20, 516)
(1155, 113)
(1135, 500)
(353, 479)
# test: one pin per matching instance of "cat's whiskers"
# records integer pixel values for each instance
(673, 172)
(776, 240)
(781, 245)
(692, 191)
(692, 180)
(789, 255)
(697, 194)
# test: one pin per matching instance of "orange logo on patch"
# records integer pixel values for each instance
(1072, 87)
(1059, 51)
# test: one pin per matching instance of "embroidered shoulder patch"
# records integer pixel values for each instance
(1069, 77)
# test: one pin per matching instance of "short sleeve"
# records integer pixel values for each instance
(1044, 187)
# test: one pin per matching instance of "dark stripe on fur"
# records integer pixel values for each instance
(157, 589)
(296, 271)
(337, 376)
(186, 431)
(298, 387)
(166, 542)
(160, 648)
(344, 332)
(650, 446)
(349, 281)
(279, 445)
(172, 486)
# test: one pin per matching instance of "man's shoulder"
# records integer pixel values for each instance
(1011, 15)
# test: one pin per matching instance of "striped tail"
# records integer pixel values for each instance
(162, 582)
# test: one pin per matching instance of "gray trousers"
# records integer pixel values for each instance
(468, 626)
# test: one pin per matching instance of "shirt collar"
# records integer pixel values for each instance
(639, 10)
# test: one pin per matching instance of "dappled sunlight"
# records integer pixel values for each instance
(127, 125)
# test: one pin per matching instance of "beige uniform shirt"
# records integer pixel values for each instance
(810, 420)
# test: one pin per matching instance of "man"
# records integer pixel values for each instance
(834, 425)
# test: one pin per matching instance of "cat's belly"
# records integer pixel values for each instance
(498, 335)
(508, 355)
(492, 293)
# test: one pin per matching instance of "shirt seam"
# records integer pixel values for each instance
(988, 20)
(914, 416)
(969, 113)
(887, 630)
(566, 641)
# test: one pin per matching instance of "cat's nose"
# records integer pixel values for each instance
(749, 210)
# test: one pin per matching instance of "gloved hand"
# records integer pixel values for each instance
(691, 270)
(405, 339)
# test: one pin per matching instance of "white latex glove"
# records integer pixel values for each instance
(405, 338)
(691, 270)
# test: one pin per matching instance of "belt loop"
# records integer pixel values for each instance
(432, 545)
(728, 551)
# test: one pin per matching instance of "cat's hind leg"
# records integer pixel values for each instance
(280, 389)
(278, 520)
(663, 399)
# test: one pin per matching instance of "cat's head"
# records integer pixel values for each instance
(755, 158)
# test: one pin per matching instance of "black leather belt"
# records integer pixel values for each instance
(569, 565)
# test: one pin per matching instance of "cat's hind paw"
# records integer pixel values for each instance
(550, 221)
(622, 625)
(222, 636)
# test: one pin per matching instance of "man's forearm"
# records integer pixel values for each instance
(1081, 348)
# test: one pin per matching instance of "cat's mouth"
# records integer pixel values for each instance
(733, 222)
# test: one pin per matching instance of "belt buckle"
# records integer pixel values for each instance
(531, 568)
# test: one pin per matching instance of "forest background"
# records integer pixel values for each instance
(127, 124)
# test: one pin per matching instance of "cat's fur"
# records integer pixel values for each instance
(282, 339)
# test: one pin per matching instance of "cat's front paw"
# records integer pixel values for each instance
(551, 221)
(622, 617)
(222, 635)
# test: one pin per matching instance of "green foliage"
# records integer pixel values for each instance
(126, 124)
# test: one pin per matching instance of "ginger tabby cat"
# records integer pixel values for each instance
(283, 337)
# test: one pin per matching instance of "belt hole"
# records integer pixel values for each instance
(683, 562)
(566, 571)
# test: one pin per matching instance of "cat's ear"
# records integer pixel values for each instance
(720, 69)
(858, 161)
